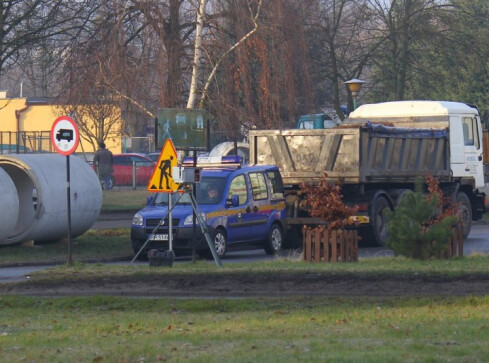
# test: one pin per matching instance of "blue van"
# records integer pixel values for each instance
(242, 206)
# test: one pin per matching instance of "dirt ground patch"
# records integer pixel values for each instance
(248, 285)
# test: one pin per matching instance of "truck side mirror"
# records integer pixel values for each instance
(149, 199)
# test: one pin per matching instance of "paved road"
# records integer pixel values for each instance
(477, 242)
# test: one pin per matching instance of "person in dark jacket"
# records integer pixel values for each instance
(103, 160)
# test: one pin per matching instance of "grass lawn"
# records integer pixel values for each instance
(316, 329)
(247, 330)
(300, 328)
(101, 245)
(124, 199)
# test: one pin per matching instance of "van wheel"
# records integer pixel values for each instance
(274, 241)
(220, 242)
(136, 246)
(465, 212)
(379, 220)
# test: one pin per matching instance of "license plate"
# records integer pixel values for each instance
(158, 237)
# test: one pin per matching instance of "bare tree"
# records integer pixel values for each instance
(95, 108)
(341, 46)
(197, 53)
(263, 81)
(27, 25)
(254, 15)
(404, 25)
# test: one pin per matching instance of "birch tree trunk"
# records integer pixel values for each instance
(192, 99)
(197, 54)
(254, 19)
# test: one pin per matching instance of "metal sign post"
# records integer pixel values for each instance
(170, 222)
(68, 194)
(65, 138)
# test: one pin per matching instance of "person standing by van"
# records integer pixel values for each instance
(103, 160)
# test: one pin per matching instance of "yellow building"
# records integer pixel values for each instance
(27, 122)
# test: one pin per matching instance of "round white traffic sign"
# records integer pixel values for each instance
(64, 135)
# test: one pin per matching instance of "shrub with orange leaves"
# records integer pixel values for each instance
(324, 201)
(445, 206)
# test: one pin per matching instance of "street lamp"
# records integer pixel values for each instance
(354, 85)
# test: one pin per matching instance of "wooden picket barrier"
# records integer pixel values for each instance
(321, 245)
(456, 245)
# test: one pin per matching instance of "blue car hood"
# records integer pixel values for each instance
(178, 211)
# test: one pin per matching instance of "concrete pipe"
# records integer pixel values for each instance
(9, 203)
(40, 180)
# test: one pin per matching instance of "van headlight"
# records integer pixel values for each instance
(189, 220)
(137, 220)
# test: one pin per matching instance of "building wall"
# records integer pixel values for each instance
(40, 118)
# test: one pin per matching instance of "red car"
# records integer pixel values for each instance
(125, 165)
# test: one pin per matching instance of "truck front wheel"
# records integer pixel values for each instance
(465, 212)
(379, 220)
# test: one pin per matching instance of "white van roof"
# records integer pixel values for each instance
(410, 109)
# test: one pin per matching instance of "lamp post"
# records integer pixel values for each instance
(354, 85)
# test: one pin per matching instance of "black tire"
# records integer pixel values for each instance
(379, 220)
(273, 244)
(293, 238)
(220, 242)
(136, 246)
(403, 194)
(465, 212)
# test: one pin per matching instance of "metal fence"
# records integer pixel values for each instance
(142, 144)
(25, 142)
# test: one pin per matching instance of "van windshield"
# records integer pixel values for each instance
(162, 198)
(209, 191)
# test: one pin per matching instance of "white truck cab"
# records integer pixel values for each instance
(462, 120)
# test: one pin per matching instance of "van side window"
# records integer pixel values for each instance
(258, 186)
(277, 185)
(471, 132)
(238, 187)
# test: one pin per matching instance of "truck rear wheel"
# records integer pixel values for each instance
(379, 220)
(465, 212)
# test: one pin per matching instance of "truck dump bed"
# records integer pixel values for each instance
(354, 154)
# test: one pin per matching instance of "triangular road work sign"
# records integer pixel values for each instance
(162, 179)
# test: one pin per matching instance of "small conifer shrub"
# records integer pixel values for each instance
(422, 225)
